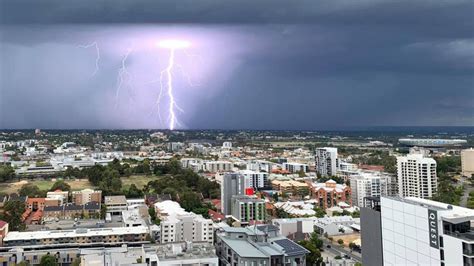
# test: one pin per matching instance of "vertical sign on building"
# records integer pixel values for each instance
(433, 228)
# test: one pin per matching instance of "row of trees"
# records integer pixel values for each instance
(379, 158)
(448, 191)
(184, 185)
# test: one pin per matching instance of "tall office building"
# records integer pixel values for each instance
(418, 231)
(232, 184)
(367, 184)
(326, 161)
(416, 176)
(467, 162)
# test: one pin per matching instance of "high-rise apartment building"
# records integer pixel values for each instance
(371, 184)
(418, 231)
(257, 180)
(467, 162)
(232, 184)
(326, 161)
(416, 176)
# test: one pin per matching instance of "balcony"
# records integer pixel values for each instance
(467, 252)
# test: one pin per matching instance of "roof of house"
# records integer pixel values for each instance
(32, 200)
(52, 208)
(72, 207)
(92, 206)
(3, 223)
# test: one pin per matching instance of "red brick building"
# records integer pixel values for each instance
(329, 194)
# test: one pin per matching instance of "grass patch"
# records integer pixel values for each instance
(77, 184)
(139, 180)
(43, 184)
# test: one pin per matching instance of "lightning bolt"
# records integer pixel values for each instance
(166, 82)
(123, 75)
(169, 85)
(97, 50)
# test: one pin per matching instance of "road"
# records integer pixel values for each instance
(338, 250)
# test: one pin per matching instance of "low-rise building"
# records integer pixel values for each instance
(77, 237)
(179, 225)
(297, 208)
(290, 187)
(218, 166)
(86, 195)
(301, 228)
(295, 167)
(62, 196)
(248, 209)
(71, 211)
(261, 245)
(115, 204)
(181, 253)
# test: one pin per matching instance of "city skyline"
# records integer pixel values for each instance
(270, 66)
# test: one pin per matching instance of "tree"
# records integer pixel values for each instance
(6, 173)
(171, 191)
(356, 214)
(340, 242)
(13, 211)
(275, 197)
(190, 201)
(152, 213)
(320, 213)
(103, 211)
(301, 173)
(61, 185)
(48, 260)
(76, 262)
(313, 245)
(134, 192)
(31, 191)
(23, 263)
(352, 245)
(317, 242)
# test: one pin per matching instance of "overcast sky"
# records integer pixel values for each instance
(265, 64)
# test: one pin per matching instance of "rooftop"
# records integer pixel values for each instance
(447, 212)
(15, 235)
(115, 200)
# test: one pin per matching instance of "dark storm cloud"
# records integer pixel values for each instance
(341, 12)
(299, 64)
